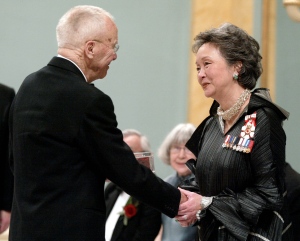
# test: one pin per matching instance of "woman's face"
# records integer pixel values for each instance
(179, 155)
(214, 74)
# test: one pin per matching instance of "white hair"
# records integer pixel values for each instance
(179, 135)
(144, 140)
(80, 24)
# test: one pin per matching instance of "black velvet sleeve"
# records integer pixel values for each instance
(108, 153)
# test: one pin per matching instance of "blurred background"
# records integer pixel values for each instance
(153, 82)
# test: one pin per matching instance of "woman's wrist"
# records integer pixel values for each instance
(204, 204)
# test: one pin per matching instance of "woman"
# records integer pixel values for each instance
(240, 147)
(174, 153)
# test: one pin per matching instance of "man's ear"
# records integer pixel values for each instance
(89, 48)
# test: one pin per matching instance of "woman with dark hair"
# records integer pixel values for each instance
(240, 146)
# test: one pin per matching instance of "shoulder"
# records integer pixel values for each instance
(269, 132)
(6, 92)
(4, 88)
(6, 98)
(260, 100)
(268, 116)
(268, 122)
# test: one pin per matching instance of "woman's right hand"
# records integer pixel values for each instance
(187, 210)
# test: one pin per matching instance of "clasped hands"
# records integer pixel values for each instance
(189, 206)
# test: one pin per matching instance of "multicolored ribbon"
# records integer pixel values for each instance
(245, 141)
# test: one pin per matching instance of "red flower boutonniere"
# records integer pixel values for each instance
(129, 210)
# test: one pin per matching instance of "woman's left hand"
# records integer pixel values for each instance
(187, 211)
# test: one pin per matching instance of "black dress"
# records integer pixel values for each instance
(248, 186)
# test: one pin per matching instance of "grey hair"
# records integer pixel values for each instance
(180, 134)
(144, 140)
(235, 45)
(79, 24)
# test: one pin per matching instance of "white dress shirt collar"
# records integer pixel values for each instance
(74, 64)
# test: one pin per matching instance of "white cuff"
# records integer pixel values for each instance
(205, 202)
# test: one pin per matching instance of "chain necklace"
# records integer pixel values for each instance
(232, 111)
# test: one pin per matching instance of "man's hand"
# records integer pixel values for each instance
(183, 197)
(4, 220)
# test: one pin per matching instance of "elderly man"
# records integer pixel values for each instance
(65, 140)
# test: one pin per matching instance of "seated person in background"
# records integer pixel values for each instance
(174, 153)
(292, 181)
(145, 223)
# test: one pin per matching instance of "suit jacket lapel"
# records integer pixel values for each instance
(112, 195)
(118, 228)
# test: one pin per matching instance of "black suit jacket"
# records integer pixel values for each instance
(65, 143)
(6, 178)
(292, 179)
(144, 226)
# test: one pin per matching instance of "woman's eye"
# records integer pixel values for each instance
(198, 69)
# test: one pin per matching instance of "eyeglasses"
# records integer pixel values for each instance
(177, 150)
(115, 48)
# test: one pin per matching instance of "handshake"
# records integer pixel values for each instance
(191, 205)
(188, 208)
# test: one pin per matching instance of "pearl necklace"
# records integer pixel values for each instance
(232, 111)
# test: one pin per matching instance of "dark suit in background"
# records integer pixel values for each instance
(6, 178)
(292, 180)
(144, 226)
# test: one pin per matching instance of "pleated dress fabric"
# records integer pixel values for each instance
(248, 188)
